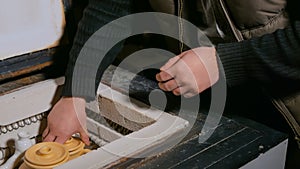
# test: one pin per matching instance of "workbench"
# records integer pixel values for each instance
(235, 143)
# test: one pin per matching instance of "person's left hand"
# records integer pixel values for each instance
(190, 73)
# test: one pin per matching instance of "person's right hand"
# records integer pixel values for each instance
(67, 117)
(190, 73)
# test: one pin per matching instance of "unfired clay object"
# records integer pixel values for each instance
(45, 155)
(75, 147)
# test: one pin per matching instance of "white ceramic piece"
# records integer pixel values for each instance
(21, 145)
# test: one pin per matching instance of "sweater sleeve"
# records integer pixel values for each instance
(97, 14)
(267, 60)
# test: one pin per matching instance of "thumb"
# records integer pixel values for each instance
(84, 137)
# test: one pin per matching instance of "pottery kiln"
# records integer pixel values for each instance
(149, 127)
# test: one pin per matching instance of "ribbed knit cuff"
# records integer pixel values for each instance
(233, 57)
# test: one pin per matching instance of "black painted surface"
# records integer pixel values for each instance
(25, 61)
(231, 146)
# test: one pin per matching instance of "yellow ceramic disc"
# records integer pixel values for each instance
(46, 154)
(73, 144)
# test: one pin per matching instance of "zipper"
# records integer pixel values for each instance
(180, 24)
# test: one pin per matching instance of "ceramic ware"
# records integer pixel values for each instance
(75, 147)
(45, 155)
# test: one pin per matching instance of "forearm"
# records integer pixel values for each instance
(271, 59)
(96, 15)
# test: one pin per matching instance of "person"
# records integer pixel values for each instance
(262, 47)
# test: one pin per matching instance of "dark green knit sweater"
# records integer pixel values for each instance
(269, 60)
(97, 14)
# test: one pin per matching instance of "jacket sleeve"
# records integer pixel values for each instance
(270, 60)
(79, 79)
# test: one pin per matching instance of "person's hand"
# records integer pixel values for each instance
(65, 119)
(190, 73)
